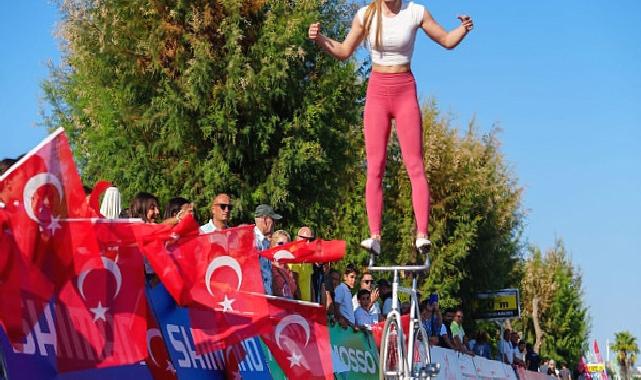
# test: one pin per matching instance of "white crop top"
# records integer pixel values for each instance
(399, 34)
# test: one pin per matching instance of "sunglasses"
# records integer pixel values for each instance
(367, 281)
(308, 238)
(224, 206)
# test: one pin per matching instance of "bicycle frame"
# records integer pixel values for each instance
(407, 367)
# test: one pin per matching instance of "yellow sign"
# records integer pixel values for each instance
(599, 367)
(497, 305)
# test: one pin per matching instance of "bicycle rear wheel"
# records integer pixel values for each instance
(391, 363)
(422, 366)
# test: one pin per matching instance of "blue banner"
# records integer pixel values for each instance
(37, 358)
(174, 322)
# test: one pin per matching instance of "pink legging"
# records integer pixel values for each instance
(393, 96)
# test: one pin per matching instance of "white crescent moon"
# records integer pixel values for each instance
(111, 266)
(288, 320)
(151, 333)
(32, 185)
(283, 254)
(223, 261)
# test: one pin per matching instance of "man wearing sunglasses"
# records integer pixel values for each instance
(367, 282)
(220, 211)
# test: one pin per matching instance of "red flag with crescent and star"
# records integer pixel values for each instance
(36, 193)
(218, 276)
(317, 251)
(298, 339)
(102, 310)
(158, 360)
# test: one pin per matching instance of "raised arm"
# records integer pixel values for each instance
(337, 49)
(450, 39)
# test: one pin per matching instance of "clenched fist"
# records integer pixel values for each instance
(314, 31)
(467, 22)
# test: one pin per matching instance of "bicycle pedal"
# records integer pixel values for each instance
(432, 369)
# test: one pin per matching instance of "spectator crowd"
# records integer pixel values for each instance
(351, 307)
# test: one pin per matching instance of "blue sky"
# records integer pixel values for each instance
(562, 80)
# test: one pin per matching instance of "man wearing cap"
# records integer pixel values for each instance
(264, 218)
(220, 210)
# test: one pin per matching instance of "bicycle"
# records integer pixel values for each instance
(395, 361)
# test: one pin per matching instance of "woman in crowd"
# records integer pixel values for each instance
(145, 206)
(175, 209)
(283, 284)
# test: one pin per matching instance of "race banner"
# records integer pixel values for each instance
(354, 355)
(36, 358)
(176, 331)
(448, 359)
(357, 351)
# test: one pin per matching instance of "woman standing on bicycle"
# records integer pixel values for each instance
(390, 27)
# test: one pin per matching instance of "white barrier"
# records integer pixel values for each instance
(456, 366)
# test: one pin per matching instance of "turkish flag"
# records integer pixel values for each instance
(19, 282)
(317, 251)
(102, 311)
(157, 360)
(35, 194)
(299, 339)
(40, 190)
(227, 296)
(218, 276)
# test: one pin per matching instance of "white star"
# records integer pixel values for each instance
(226, 304)
(54, 225)
(99, 312)
(170, 367)
(294, 359)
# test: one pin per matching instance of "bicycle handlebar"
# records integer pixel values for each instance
(408, 268)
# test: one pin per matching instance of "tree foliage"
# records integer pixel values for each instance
(553, 282)
(195, 97)
(626, 348)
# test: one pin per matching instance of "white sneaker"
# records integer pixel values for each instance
(372, 245)
(423, 245)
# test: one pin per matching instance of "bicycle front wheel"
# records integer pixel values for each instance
(391, 363)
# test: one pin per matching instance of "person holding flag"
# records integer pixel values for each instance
(388, 28)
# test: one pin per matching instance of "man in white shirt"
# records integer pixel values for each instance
(365, 315)
(507, 352)
(220, 211)
(367, 283)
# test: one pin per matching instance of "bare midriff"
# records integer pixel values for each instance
(391, 69)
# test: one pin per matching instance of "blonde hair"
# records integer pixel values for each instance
(374, 8)
(278, 234)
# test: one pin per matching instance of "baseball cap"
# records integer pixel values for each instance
(266, 210)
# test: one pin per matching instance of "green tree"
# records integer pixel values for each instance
(554, 311)
(196, 97)
(538, 287)
(625, 345)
